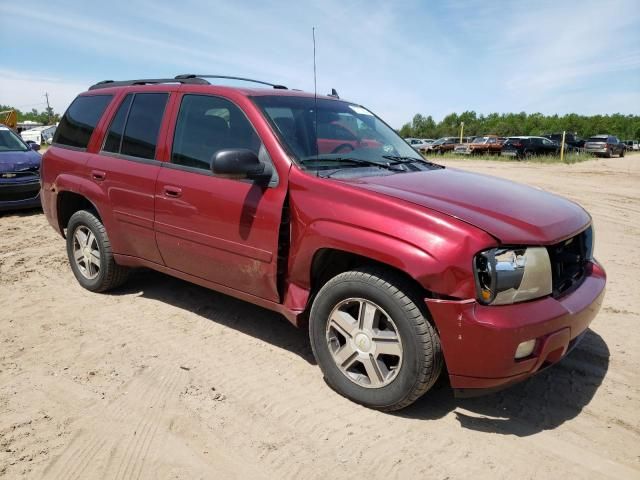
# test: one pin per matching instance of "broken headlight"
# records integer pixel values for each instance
(509, 275)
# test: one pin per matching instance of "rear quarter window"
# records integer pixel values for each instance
(80, 119)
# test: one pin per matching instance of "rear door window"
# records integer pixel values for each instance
(113, 142)
(143, 125)
(135, 127)
(80, 120)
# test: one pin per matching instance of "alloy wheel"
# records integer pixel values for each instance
(86, 252)
(364, 343)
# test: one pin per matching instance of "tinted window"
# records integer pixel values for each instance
(143, 125)
(80, 119)
(207, 125)
(114, 136)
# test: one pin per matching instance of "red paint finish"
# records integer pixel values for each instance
(221, 230)
(515, 214)
(479, 342)
(225, 234)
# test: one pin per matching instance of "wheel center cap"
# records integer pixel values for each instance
(86, 252)
(362, 342)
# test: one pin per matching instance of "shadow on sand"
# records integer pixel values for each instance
(542, 402)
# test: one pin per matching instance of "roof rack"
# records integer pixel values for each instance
(192, 76)
(148, 81)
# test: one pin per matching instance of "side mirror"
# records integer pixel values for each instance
(34, 146)
(239, 163)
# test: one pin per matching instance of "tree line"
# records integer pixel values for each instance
(45, 117)
(625, 127)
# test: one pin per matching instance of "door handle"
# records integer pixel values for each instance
(173, 192)
(98, 175)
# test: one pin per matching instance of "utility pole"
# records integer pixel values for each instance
(46, 95)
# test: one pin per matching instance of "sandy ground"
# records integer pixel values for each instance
(163, 379)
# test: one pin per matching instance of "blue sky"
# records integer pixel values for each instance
(397, 58)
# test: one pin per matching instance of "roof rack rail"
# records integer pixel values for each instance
(147, 81)
(187, 76)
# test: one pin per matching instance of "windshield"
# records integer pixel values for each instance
(344, 130)
(10, 142)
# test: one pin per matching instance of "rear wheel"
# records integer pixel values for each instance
(372, 341)
(90, 255)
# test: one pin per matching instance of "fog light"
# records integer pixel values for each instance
(525, 349)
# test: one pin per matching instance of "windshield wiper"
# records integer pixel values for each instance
(355, 161)
(398, 159)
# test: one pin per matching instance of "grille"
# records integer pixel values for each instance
(21, 174)
(569, 262)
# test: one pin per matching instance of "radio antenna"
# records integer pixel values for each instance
(315, 90)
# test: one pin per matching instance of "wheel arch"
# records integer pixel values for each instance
(69, 202)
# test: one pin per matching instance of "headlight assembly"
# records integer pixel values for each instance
(510, 275)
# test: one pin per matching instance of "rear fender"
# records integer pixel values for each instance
(94, 195)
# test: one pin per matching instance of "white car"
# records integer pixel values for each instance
(419, 143)
(38, 135)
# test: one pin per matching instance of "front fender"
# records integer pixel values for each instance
(445, 273)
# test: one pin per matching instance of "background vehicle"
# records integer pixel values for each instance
(376, 250)
(443, 145)
(604, 145)
(38, 135)
(526, 146)
(9, 119)
(572, 141)
(480, 145)
(19, 172)
(419, 143)
(633, 145)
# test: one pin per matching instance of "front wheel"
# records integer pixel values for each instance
(622, 153)
(372, 341)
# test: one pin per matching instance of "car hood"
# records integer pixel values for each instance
(17, 161)
(511, 212)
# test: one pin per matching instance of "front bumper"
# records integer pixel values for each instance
(479, 342)
(19, 195)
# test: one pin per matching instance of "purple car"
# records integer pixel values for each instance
(19, 172)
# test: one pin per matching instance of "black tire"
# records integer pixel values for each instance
(622, 153)
(609, 153)
(110, 274)
(422, 359)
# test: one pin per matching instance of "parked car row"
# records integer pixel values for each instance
(524, 146)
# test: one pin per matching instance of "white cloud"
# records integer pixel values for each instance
(397, 58)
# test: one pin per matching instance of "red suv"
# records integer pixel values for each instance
(315, 208)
